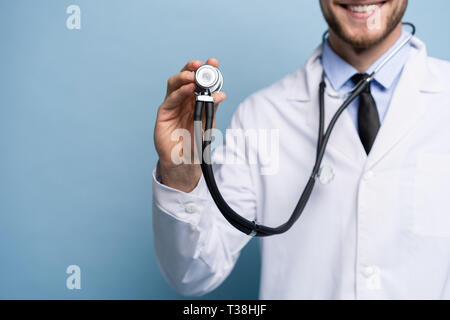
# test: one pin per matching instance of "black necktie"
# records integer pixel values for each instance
(368, 119)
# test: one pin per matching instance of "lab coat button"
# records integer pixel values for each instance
(326, 175)
(369, 175)
(191, 208)
(373, 277)
(368, 271)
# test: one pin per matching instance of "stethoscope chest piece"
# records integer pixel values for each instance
(209, 78)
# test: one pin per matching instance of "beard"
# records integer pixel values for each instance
(367, 42)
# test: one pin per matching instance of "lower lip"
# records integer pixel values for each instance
(362, 15)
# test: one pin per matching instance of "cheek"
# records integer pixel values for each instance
(341, 16)
(326, 5)
(389, 10)
(327, 12)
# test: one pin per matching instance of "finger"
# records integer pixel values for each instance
(177, 97)
(187, 74)
(213, 62)
(219, 97)
(178, 80)
(192, 65)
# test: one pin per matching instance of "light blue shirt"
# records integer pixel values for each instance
(339, 73)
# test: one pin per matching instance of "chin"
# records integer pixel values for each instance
(360, 38)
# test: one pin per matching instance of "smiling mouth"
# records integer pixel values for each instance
(363, 8)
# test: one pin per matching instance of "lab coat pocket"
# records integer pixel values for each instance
(431, 215)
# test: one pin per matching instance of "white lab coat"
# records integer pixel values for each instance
(377, 227)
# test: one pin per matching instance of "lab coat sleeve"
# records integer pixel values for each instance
(196, 248)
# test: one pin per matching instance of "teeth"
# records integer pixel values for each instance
(363, 9)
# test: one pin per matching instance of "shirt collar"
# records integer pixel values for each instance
(339, 72)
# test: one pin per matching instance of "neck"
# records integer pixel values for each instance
(362, 59)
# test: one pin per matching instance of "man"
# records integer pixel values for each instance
(377, 225)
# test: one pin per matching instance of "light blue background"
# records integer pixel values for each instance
(77, 111)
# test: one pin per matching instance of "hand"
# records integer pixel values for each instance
(177, 112)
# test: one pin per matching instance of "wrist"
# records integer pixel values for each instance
(182, 177)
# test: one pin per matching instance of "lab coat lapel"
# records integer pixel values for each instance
(407, 106)
(344, 139)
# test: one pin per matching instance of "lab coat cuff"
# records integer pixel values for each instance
(177, 203)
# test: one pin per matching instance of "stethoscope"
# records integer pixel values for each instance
(209, 80)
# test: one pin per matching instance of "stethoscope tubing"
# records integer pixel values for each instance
(203, 145)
